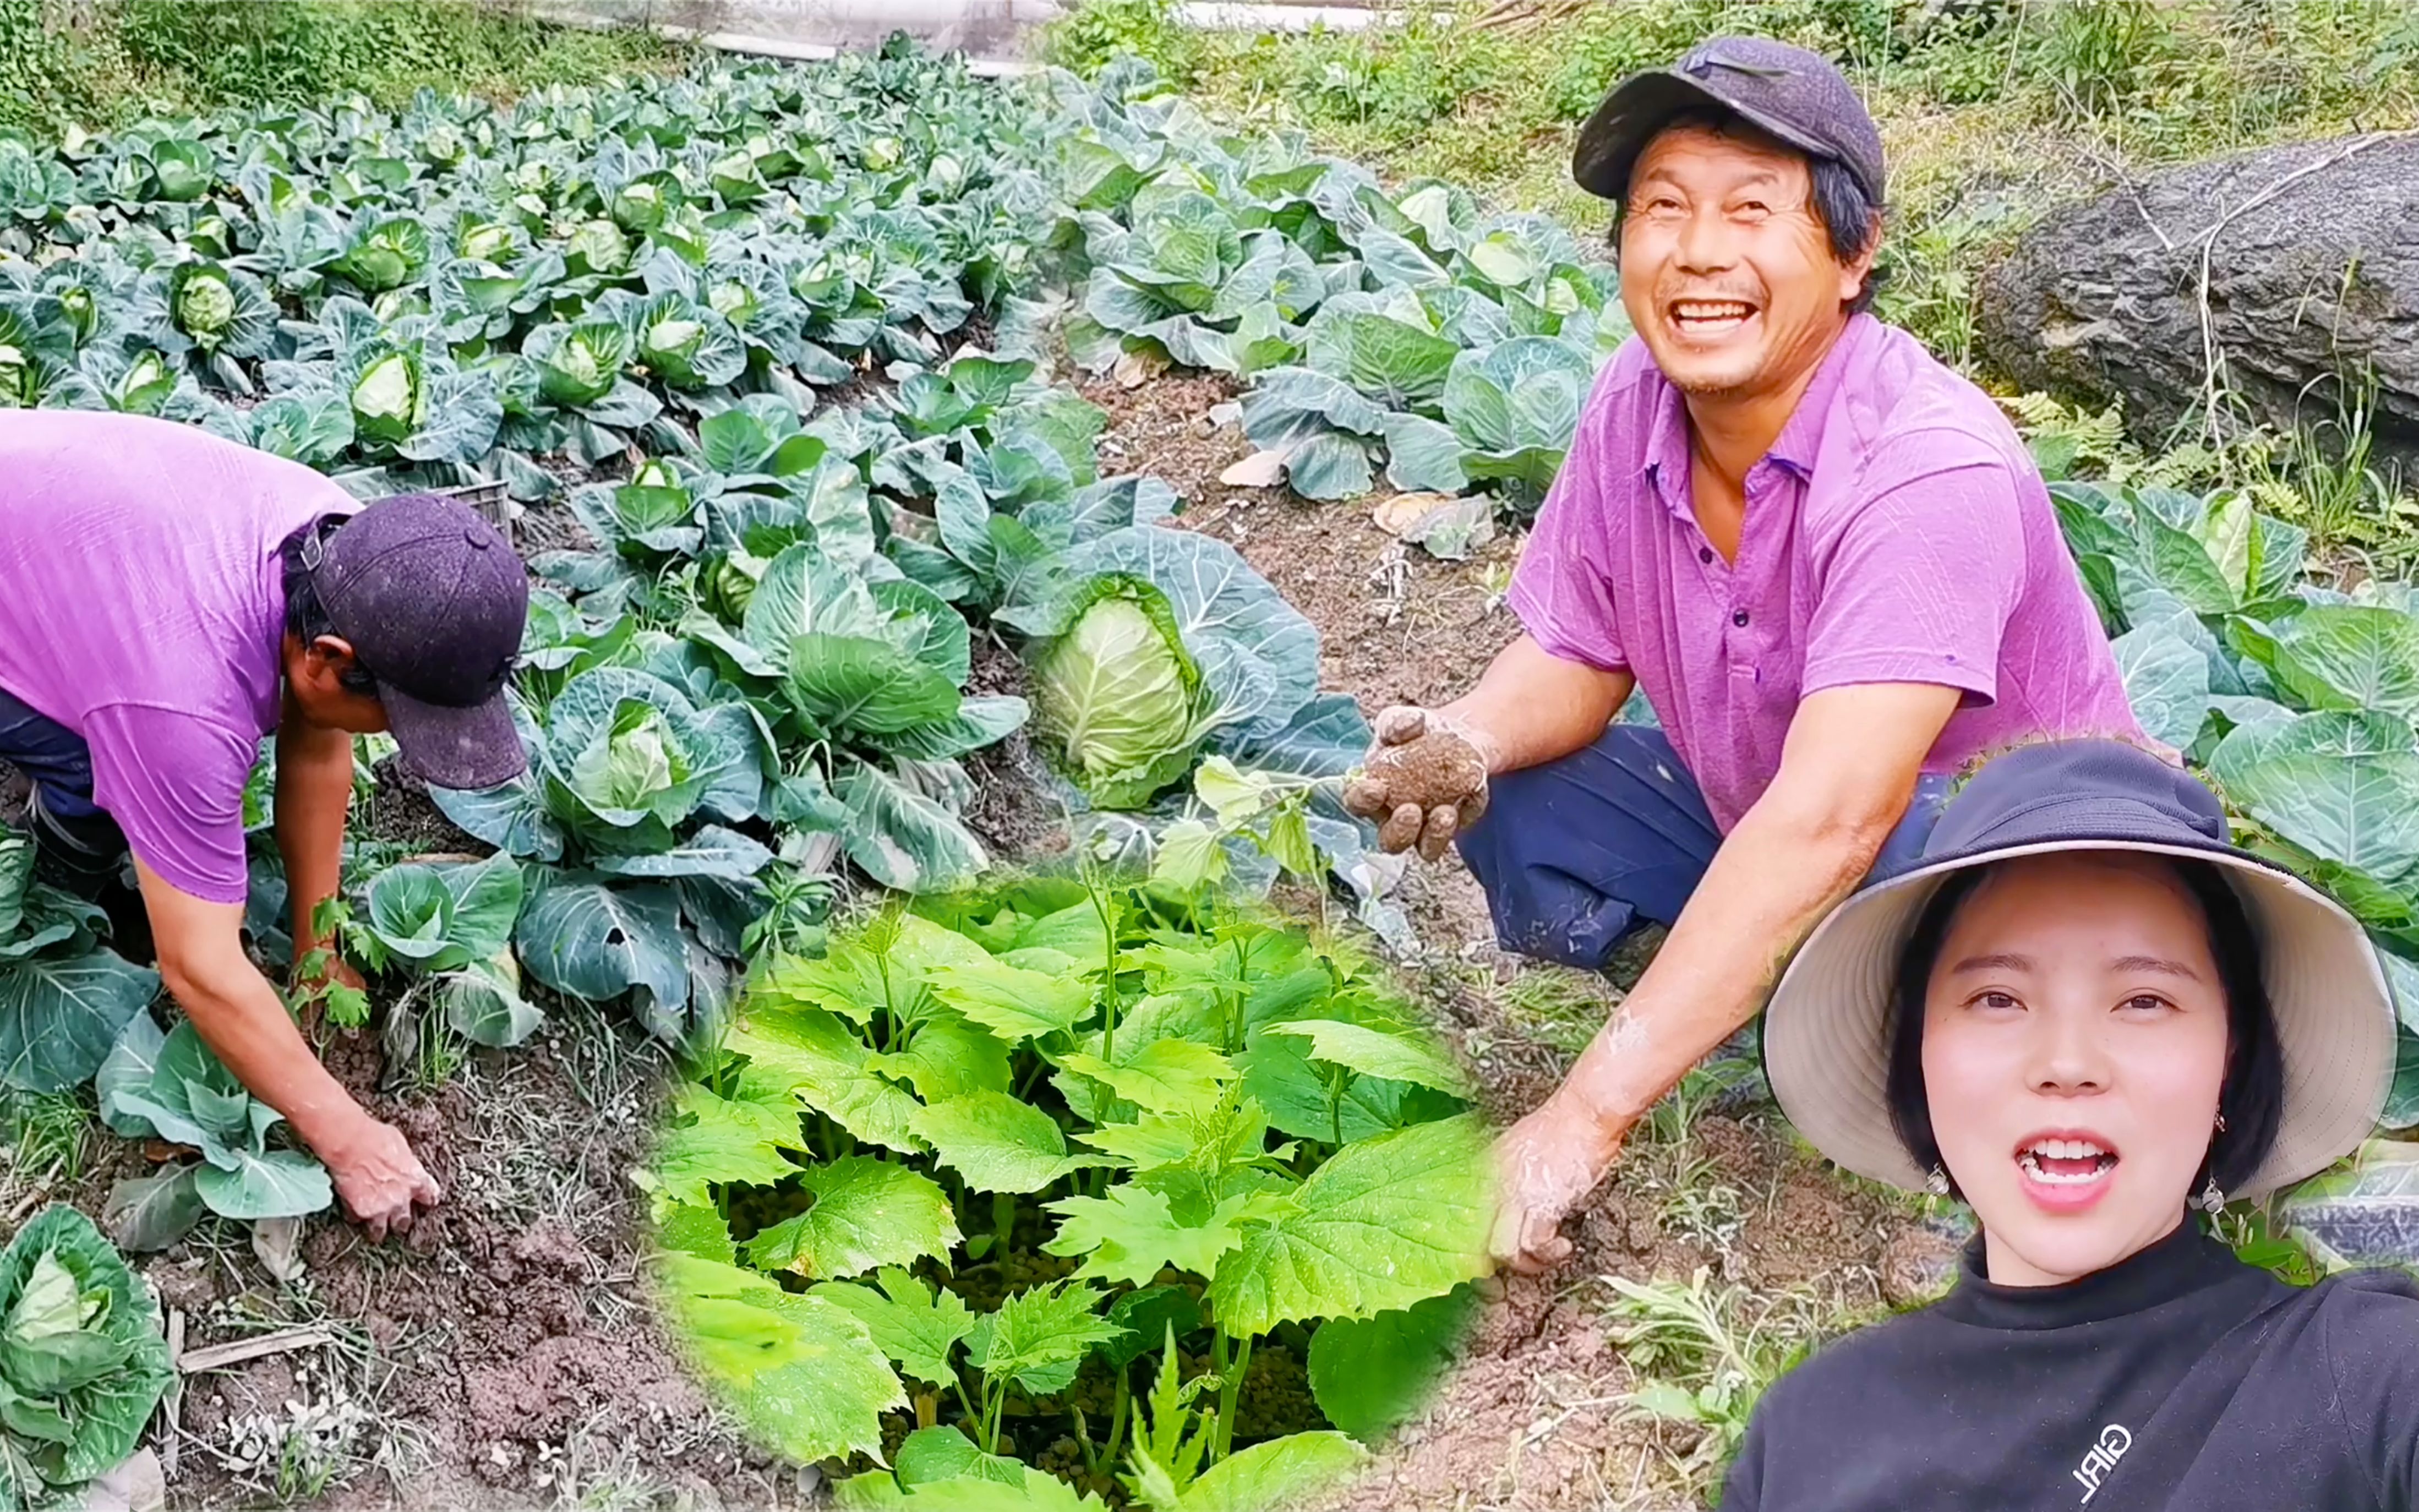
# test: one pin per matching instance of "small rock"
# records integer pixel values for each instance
(1228, 413)
(1261, 470)
(278, 1244)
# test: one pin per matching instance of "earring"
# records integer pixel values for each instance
(1937, 1183)
(2221, 1124)
(2212, 1198)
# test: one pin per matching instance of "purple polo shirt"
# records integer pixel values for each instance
(1896, 533)
(141, 606)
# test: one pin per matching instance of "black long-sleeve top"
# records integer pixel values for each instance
(2181, 1380)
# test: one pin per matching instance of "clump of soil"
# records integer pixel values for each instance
(1417, 777)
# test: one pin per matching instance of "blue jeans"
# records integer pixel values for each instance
(1578, 852)
(59, 764)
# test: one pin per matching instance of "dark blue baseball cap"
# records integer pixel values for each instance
(1825, 1045)
(1787, 92)
(433, 600)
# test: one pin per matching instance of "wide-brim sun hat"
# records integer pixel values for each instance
(1825, 1045)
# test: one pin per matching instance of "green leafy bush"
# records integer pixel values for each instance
(63, 998)
(988, 1155)
(2298, 699)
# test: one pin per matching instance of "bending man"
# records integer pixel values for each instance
(170, 598)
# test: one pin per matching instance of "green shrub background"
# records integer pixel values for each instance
(98, 63)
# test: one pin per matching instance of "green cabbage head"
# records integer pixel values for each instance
(145, 386)
(83, 1362)
(389, 399)
(597, 247)
(486, 241)
(733, 301)
(203, 304)
(19, 380)
(577, 365)
(1117, 698)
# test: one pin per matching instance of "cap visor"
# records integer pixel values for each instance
(466, 748)
(1828, 1068)
(1629, 116)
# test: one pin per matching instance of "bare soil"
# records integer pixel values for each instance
(502, 1355)
(402, 813)
(1013, 811)
(1538, 1414)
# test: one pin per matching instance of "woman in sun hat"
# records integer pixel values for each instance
(2085, 1013)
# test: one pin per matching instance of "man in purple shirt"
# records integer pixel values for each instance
(167, 599)
(1826, 561)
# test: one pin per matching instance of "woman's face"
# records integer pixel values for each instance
(2074, 1041)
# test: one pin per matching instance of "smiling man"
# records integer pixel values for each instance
(1826, 559)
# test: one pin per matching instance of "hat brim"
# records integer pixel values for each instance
(467, 747)
(1828, 1066)
(1627, 119)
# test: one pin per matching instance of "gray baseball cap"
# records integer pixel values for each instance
(433, 600)
(1789, 92)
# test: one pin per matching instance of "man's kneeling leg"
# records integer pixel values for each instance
(1575, 854)
(75, 835)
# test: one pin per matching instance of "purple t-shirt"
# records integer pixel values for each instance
(142, 604)
(1896, 533)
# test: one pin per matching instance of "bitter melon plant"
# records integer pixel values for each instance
(946, 1196)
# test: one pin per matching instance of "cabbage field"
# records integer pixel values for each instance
(764, 359)
(1110, 1185)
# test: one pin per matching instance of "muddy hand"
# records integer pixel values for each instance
(1545, 1164)
(1423, 782)
(381, 1181)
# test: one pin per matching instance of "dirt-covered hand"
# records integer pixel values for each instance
(378, 1179)
(1423, 782)
(1545, 1164)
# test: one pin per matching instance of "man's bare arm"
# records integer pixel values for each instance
(314, 788)
(1848, 771)
(237, 1013)
(1531, 707)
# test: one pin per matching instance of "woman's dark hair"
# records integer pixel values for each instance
(1850, 220)
(2252, 1097)
(306, 617)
